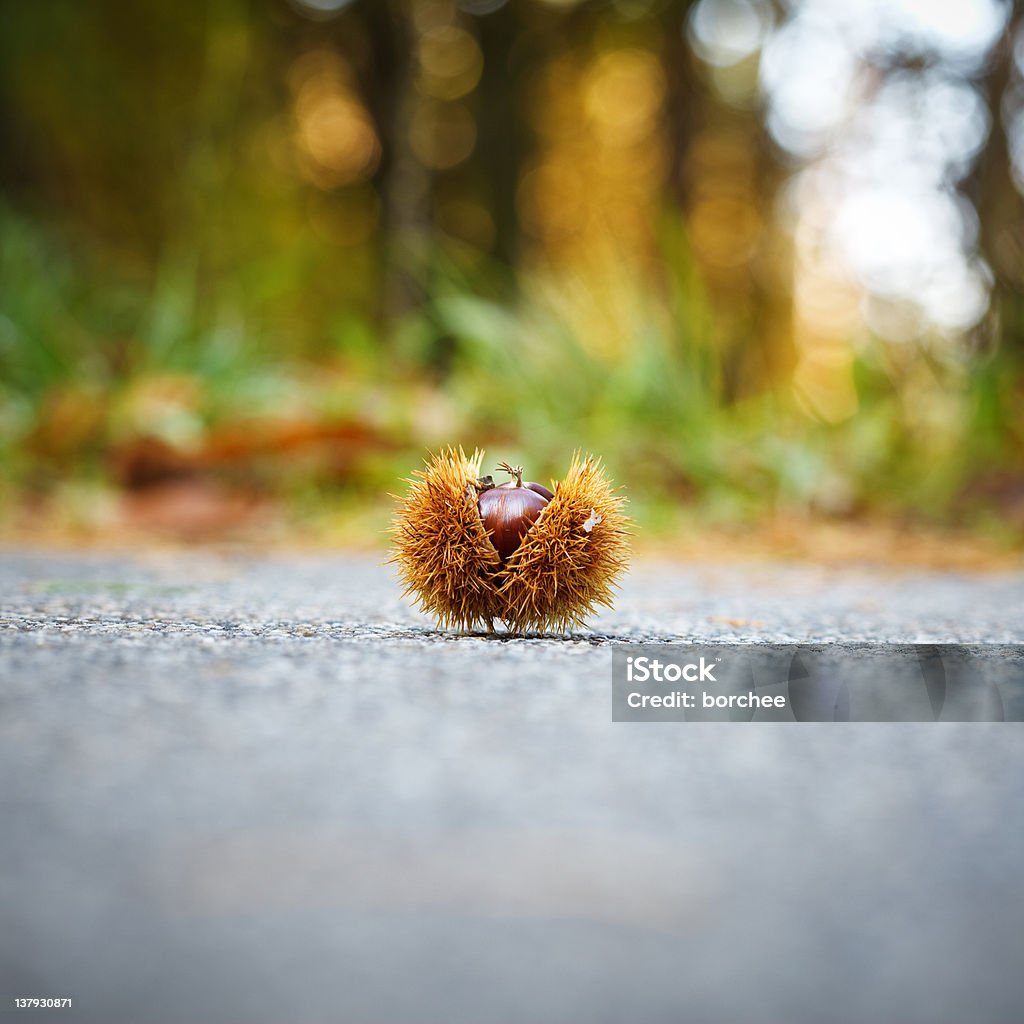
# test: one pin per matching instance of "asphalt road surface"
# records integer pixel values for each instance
(265, 789)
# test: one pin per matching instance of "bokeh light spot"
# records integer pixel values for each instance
(725, 32)
(450, 62)
(334, 132)
(319, 10)
(624, 92)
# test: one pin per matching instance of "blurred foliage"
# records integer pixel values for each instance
(253, 252)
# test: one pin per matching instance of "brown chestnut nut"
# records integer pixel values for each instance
(510, 509)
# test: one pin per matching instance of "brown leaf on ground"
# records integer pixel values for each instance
(192, 510)
(234, 449)
(71, 420)
(333, 446)
(148, 461)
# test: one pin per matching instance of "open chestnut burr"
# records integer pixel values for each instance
(474, 553)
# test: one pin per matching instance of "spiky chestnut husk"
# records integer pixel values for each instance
(565, 567)
(442, 550)
(568, 564)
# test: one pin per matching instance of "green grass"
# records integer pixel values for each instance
(617, 363)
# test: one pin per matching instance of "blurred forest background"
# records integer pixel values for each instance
(258, 256)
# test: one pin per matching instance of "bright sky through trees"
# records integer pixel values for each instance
(880, 106)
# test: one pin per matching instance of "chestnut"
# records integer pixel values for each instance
(473, 552)
(509, 510)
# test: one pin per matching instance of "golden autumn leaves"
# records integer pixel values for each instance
(565, 565)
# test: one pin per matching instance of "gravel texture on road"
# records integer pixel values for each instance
(241, 788)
